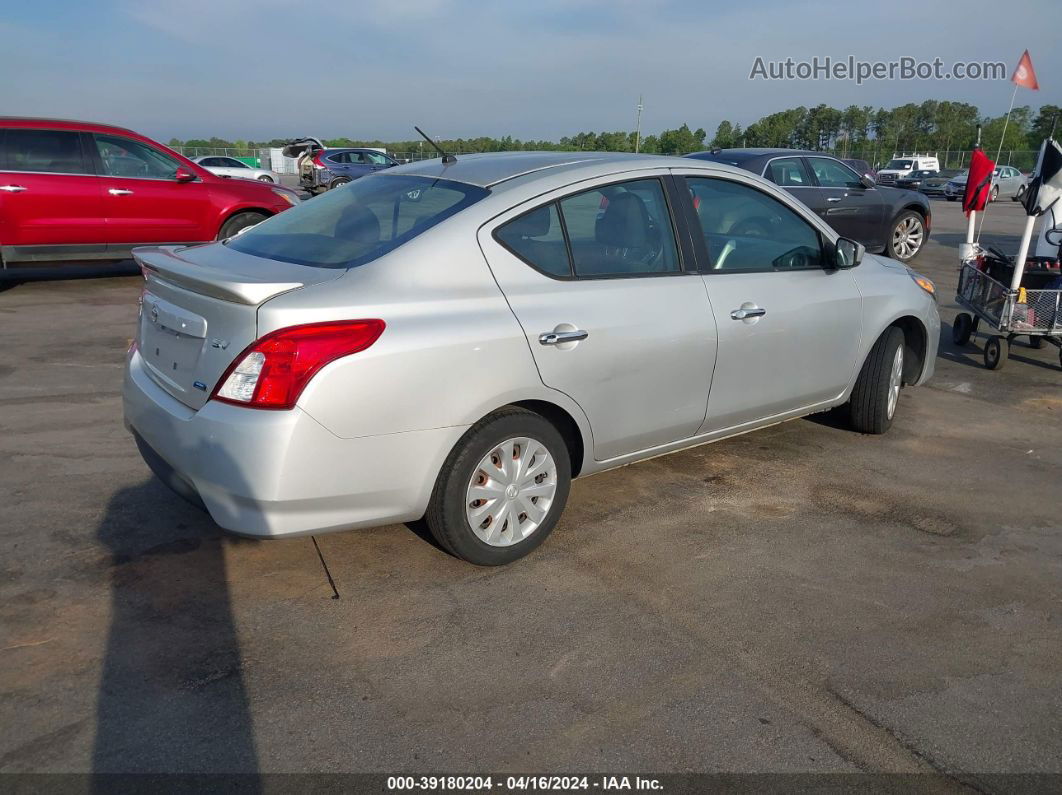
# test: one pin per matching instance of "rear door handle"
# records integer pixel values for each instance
(742, 314)
(833, 199)
(120, 192)
(12, 188)
(557, 337)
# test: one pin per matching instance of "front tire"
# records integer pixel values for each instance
(994, 194)
(265, 178)
(876, 394)
(997, 349)
(502, 488)
(239, 222)
(907, 236)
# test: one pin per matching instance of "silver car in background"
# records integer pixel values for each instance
(1006, 181)
(225, 166)
(456, 341)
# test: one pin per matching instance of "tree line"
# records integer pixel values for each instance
(874, 134)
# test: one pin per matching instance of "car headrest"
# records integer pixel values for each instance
(359, 224)
(625, 223)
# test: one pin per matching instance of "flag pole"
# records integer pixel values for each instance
(999, 151)
(967, 251)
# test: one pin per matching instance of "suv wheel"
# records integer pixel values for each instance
(502, 489)
(876, 393)
(907, 236)
(338, 181)
(239, 222)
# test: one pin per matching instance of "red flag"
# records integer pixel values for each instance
(978, 182)
(1024, 74)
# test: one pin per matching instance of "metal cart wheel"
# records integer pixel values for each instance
(997, 349)
(962, 329)
(1036, 341)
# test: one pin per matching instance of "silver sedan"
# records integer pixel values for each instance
(231, 167)
(456, 341)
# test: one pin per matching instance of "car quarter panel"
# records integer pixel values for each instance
(450, 354)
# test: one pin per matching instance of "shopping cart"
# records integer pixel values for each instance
(1033, 313)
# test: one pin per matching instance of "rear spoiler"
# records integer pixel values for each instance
(240, 288)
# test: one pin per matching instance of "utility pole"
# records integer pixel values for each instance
(638, 126)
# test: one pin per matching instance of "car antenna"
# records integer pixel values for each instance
(446, 156)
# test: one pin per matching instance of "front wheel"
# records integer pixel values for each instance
(962, 329)
(265, 178)
(876, 393)
(239, 222)
(502, 489)
(997, 349)
(907, 236)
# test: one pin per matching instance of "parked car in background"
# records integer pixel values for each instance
(322, 169)
(881, 218)
(902, 167)
(861, 167)
(80, 190)
(457, 341)
(913, 181)
(934, 185)
(1006, 181)
(225, 166)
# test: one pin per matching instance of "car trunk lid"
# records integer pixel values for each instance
(199, 310)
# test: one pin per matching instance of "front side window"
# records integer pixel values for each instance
(832, 174)
(123, 157)
(350, 227)
(231, 162)
(44, 151)
(747, 230)
(378, 159)
(788, 172)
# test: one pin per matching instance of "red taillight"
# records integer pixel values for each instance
(317, 158)
(273, 371)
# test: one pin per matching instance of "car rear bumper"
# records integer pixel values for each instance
(279, 473)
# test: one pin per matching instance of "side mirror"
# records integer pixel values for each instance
(867, 181)
(847, 253)
(183, 175)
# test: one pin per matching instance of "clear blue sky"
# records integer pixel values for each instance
(542, 69)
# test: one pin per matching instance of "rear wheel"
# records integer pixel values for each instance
(265, 178)
(962, 329)
(1036, 342)
(876, 394)
(502, 489)
(997, 349)
(239, 222)
(907, 236)
(953, 198)
(338, 181)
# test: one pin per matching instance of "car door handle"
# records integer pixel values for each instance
(833, 199)
(557, 337)
(120, 192)
(12, 188)
(742, 314)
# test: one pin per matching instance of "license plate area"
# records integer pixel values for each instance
(171, 342)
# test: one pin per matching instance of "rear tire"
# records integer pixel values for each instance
(265, 178)
(962, 329)
(1036, 342)
(997, 349)
(486, 462)
(875, 396)
(239, 222)
(338, 181)
(952, 198)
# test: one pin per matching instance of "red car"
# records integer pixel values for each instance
(73, 190)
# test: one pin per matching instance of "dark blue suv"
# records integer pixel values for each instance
(321, 169)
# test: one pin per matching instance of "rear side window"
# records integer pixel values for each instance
(538, 239)
(43, 151)
(788, 172)
(124, 157)
(359, 222)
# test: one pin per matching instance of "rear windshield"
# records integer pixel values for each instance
(358, 222)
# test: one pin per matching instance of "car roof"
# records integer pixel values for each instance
(489, 169)
(61, 124)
